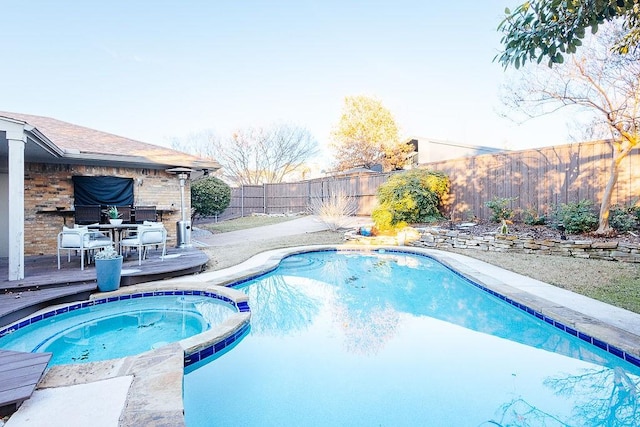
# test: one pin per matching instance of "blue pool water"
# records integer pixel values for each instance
(119, 328)
(392, 339)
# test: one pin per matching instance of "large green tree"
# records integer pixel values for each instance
(548, 29)
(366, 135)
(599, 84)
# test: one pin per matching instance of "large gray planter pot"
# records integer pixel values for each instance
(108, 273)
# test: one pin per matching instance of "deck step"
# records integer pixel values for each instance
(19, 376)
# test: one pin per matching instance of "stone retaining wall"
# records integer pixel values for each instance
(444, 239)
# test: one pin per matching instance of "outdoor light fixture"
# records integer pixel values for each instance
(183, 227)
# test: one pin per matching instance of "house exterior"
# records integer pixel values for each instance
(428, 150)
(39, 156)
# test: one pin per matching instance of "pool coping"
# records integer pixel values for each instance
(160, 370)
(156, 394)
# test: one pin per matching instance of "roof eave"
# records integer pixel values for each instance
(44, 142)
(35, 136)
(136, 161)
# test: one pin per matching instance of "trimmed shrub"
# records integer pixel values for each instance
(531, 216)
(383, 220)
(500, 208)
(210, 196)
(410, 197)
(577, 218)
(624, 219)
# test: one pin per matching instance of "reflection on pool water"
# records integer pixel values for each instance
(119, 328)
(396, 339)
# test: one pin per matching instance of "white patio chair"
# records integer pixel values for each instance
(145, 236)
(81, 240)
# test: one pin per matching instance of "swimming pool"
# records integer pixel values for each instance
(380, 338)
(116, 327)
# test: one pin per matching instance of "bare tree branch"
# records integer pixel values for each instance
(599, 82)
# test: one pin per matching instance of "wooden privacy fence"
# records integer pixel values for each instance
(538, 179)
(296, 197)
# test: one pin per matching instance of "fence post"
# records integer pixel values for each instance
(242, 201)
(264, 198)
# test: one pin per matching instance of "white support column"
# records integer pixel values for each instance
(16, 205)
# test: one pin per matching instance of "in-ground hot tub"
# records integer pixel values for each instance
(119, 326)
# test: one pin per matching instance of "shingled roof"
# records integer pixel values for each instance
(83, 145)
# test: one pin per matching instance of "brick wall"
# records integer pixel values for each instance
(48, 186)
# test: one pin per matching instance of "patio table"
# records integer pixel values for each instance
(114, 230)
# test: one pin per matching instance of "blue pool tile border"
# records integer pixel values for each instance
(216, 347)
(242, 306)
(611, 349)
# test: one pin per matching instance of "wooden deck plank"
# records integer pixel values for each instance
(19, 377)
(12, 396)
(15, 301)
(41, 271)
(10, 358)
(44, 284)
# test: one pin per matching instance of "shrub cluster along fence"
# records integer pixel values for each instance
(537, 179)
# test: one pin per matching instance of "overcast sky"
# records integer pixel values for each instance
(154, 70)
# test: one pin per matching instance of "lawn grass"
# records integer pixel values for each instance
(243, 223)
(624, 292)
(616, 283)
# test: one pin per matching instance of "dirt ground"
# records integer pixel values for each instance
(543, 232)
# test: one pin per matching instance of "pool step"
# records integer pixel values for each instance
(19, 376)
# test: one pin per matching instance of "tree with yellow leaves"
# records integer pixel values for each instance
(367, 135)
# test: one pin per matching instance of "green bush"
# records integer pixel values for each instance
(577, 218)
(624, 219)
(383, 220)
(531, 216)
(500, 208)
(210, 196)
(410, 197)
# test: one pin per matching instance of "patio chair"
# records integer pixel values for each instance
(80, 239)
(145, 213)
(125, 213)
(146, 235)
(87, 214)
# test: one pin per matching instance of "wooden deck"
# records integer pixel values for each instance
(45, 285)
(19, 375)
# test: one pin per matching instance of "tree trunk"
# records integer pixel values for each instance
(605, 205)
